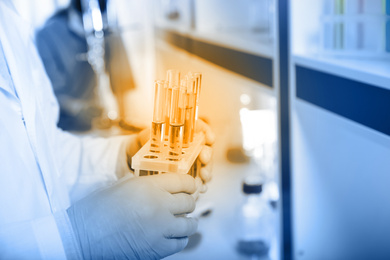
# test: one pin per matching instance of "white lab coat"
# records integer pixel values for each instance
(42, 169)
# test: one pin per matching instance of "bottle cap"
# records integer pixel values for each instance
(252, 188)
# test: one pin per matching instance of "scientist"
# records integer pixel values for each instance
(62, 45)
(69, 197)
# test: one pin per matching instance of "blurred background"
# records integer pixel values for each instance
(298, 93)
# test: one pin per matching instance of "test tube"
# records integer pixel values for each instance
(173, 79)
(176, 123)
(197, 77)
(157, 130)
(197, 88)
(189, 114)
(168, 96)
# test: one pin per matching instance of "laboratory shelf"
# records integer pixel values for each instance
(249, 58)
(374, 72)
(251, 43)
(245, 41)
(355, 89)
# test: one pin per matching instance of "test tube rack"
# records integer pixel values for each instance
(149, 163)
(174, 146)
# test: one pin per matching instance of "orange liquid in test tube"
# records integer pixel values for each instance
(189, 111)
(173, 79)
(157, 130)
(176, 123)
(197, 78)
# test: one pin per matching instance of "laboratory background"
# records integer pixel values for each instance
(297, 92)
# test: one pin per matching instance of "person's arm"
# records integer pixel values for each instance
(90, 163)
(85, 163)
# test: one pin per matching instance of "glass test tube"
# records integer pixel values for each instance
(173, 79)
(189, 108)
(176, 123)
(157, 130)
(197, 77)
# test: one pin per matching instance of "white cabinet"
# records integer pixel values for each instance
(340, 139)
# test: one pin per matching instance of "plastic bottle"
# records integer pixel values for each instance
(255, 222)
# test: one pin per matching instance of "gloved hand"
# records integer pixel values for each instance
(135, 218)
(205, 155)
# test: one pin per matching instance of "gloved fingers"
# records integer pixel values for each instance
(175, 183)
(175, 245)
(205, 154)
(143, 136)
(181, 203)
(201, 126)
(204, 188)
(205, 173)
(181, 227)
(199, 184)
(181, 243)
(135, 142)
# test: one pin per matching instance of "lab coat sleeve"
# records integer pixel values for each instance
(85, 163)
(48, 237)
(90, 163)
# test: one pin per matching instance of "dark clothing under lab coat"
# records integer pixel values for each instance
(63, 51)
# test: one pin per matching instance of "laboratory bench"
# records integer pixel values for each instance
(215, 238)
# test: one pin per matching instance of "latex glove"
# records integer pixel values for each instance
(205, 155)
(135, 218)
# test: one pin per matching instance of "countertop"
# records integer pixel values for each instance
(215, 238)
